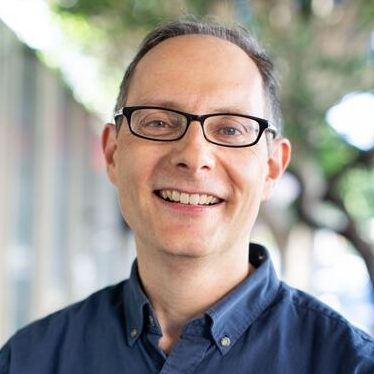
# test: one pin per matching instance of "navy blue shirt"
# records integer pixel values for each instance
(262, 326)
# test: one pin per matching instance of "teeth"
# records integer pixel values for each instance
(194, 199)
(174, 195)
(185, 198)
(202, 199)
(214, 200)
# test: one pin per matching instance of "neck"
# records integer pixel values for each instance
(181, 288)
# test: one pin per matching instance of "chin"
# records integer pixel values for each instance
(187, 249)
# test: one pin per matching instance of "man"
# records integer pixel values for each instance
(195, 149)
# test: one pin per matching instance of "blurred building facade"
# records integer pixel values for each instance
(59, 221)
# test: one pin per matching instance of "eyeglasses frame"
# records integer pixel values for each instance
(127, 111)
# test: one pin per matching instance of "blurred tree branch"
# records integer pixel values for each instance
(306, 206)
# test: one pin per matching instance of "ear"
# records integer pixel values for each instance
(109, 145)
(279, 158)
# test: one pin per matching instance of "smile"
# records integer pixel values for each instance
(186, 198)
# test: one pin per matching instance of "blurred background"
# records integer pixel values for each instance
(61, 62)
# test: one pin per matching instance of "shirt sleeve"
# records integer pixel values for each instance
(5, 359)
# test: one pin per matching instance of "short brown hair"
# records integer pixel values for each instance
(236, 35)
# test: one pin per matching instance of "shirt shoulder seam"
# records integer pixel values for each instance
(323, 310)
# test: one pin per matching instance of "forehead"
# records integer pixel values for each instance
(196, 68)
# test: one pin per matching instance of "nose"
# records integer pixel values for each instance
(193, 152)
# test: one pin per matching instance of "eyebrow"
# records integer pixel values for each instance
(174, 105)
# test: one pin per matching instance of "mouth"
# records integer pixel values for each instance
(180, 197)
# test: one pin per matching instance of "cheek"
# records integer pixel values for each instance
(127, 176)
(136, 165)
(128, 161)
(126, 192)
(248, 180)
(249, 174)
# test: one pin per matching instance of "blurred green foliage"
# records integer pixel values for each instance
(358, 196)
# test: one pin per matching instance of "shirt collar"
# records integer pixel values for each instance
(239, 309)
(230, 317)
(135, 301)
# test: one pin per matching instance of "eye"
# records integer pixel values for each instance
(157, 124)
(228, 128)
(157, 127)
(230, 131)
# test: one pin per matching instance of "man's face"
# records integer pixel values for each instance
(195, 74)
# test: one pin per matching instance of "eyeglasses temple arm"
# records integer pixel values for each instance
(118, 113)
(273, 129)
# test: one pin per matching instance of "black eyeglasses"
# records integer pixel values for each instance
(165, 125)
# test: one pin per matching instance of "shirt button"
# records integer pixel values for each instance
(225, 341)
(133, 333)
(151, 321)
